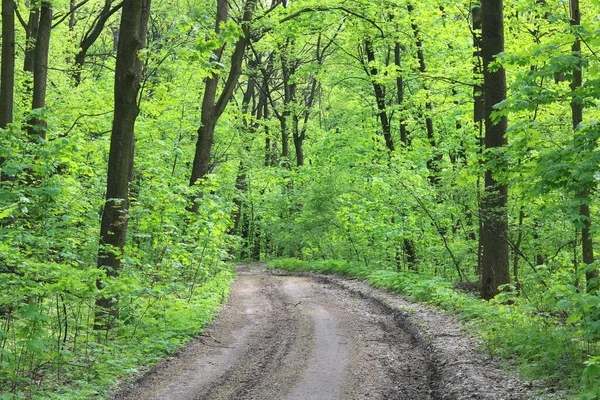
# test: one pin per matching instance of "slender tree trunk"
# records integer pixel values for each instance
(298, 137)
(433, 164)
(587, 245)
(495, 258)
(128, 73)
(91, 36)
(211, 110)
(31, 37)
(379, 90)
(40, 69)
(400, 92)
(7, 74)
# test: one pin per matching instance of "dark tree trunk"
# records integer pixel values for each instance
(433, 164)
(289, 95)
(587, 245)
(298, 141)
(91, 36)
(37, 126)
(7, 74)
(478, 111)
(128, 73)
(495, 258)
(379, 90)
(211, 110)
(400, 92)
(31, 36)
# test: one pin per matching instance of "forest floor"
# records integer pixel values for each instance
(316, 337)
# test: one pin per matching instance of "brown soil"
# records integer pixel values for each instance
(319, 338)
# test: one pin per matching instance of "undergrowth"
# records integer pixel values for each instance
(544, 345)
(153, 323)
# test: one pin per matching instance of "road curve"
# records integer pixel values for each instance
(306, 338)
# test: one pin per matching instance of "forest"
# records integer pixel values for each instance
(444, 150)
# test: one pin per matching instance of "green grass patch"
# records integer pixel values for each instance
(543, 345)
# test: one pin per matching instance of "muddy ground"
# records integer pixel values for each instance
(319, 338)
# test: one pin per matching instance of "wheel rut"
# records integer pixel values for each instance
(310, 338)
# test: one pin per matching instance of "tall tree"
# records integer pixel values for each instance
(7, 73)
(493, 211)
(212, 107)
(37, 125)
(92, 35)
(128, 74)
(587, 244)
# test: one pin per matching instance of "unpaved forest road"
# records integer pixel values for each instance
(319, 338)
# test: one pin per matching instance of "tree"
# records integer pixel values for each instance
(7, 74)
(493, 211)
(587, 244)
(92, 35)
(37, 124)
(212, 107)
(128, 74)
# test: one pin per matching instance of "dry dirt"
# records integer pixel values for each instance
(318, 338)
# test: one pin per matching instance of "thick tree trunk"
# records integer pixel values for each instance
(128, 73)
(7, 74)
(38, 126)
(495, 258)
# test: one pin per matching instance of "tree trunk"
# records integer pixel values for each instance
(495, 258)
(211, 110)
(37, 126)
(400, 93)
(128, 73)
(587, 245)
(7, 74)
(31, 36)
(379, 90)
(433, 164)
(91, 36)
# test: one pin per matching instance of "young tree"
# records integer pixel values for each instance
(128, 74)
(493, 211)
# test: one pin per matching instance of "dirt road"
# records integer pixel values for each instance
(319, 338)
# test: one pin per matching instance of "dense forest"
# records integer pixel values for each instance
(420, 145)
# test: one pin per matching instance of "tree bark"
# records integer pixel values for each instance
(7, 73)
(400, 92)
(379, 90)
(211, 110)
(128, 73)
(433, 164)
(31, 36)
(495, 258)
(91, 36)
(587, 244)
(37, 126)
